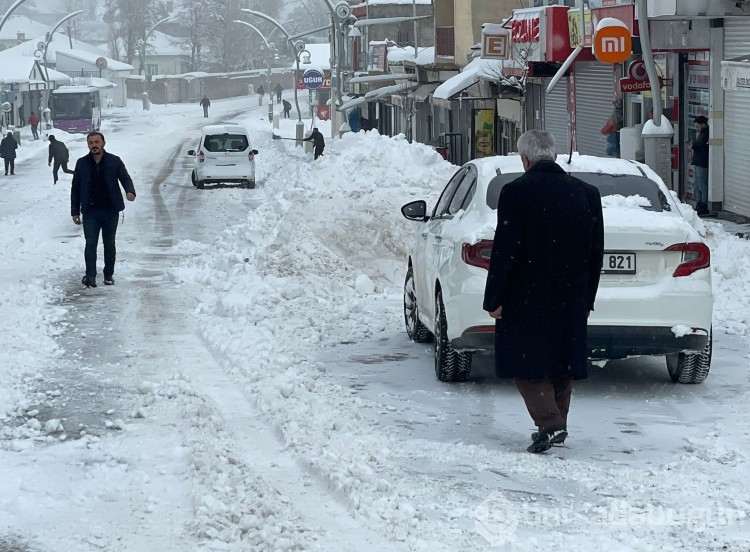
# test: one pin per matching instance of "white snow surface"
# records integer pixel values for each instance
(247, 384)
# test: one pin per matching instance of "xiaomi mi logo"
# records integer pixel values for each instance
(612, 42)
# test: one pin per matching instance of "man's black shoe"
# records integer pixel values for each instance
(540, 444)
(556, 437)
(109, 281)
(88, 282)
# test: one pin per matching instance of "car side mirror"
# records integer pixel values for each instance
(416, 210)
(255, 152)
(191, 152)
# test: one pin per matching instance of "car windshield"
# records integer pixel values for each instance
(608, 184)
(225, 142)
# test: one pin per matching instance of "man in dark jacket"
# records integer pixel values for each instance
(278, 90)
(287, 108)
(205, 104)
(319, 143)
(8, 147)
(58, 153)
(96, 195)
(700, 164)
(544, 272)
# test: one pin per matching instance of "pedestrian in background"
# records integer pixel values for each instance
(58, 152)
(700, 164)
(8, 147)
(205, 103)
(544, 272)
(95, 195)
(261, 93)
(319, 143)
(287, 108)
(278, 90)
(34, 122)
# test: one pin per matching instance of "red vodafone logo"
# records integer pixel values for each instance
(637, 79)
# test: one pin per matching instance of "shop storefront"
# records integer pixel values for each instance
(736, 84)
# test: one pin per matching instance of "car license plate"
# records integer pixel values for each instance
(618, 262)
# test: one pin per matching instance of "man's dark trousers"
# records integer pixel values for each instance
(318, 152)
(56, 167)
(97, 220)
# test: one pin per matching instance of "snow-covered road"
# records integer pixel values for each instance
(247, 383)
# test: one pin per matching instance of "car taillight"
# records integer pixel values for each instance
(201, 157)
(477, 254)
(695, 256)
(250, 155)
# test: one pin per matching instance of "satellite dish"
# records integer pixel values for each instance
(299, 46)
(101, 63)
(343, 10)
(40, 45)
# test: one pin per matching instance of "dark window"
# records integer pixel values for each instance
(626, 185)
(465, 189)
(445, 198)
(226, 142)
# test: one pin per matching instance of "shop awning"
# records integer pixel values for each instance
(378, 93)
(735, 73)
(458, 83)
(352, 103)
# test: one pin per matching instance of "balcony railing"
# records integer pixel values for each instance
(445, 41)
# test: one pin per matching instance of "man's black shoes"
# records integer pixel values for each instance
(542, 441)
(109, 281)
(88, 282)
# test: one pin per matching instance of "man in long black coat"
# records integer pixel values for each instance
(543, 276)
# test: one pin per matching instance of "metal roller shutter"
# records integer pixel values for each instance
(736, 125)
(594, 96)
(556, 116)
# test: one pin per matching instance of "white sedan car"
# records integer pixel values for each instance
(654, 297)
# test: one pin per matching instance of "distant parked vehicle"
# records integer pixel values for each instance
(223, 155)
(654, 297)
(76, 109)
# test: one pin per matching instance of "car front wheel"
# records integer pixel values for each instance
(691, 367)
(193, 179)
(416, 331)
(450, 365)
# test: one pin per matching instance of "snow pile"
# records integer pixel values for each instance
(730, 265)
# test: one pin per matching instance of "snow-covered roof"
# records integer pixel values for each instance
(161, 44)
(16, 69)
(388, 2)
(478, 68)
(425, 56)
(88, 57)
(20, 24)
(58, 42)
(320, 57)
(388, 90)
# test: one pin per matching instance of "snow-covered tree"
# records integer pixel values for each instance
(129, 21)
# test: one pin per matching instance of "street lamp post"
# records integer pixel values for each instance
(271, 48)
(300, 127)
(49, 39)
(144, 42)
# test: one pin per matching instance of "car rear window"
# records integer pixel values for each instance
(225, 142)
(607, 184)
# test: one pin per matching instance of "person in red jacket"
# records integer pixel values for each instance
(34, 122)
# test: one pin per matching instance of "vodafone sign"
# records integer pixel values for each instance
(637, 79)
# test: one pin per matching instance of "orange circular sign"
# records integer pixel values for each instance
(612, 44)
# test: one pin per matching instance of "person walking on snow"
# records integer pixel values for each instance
(277, 89)
(95, 194)
(287, 108)
(58, 153)
(541, 285)
(319, 143)
(8, 147)
(34, 122)
(261, 93)
(205, 103)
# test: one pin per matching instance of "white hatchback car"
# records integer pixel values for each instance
(224, 155)
(654, 297)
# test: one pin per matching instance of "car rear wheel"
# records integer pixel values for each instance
(416, 331)
(450, 365)
(691, 367)
(193, 179)
(199, 184)
(248, 184)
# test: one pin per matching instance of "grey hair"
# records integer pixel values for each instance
(537, 145)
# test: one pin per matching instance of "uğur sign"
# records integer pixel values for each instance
(612, 42)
